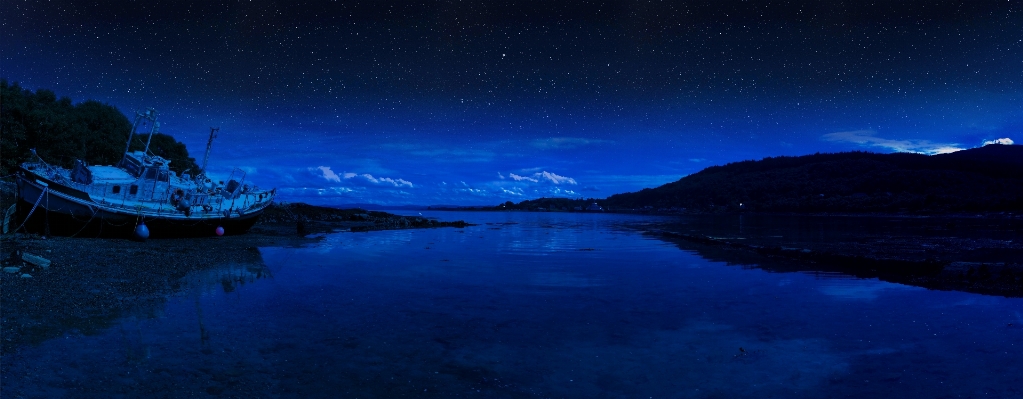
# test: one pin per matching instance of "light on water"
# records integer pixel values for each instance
(532, 305)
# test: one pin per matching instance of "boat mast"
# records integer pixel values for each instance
(131, 133)
(209, 145)
(151, 115)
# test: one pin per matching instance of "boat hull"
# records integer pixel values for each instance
(60, 213)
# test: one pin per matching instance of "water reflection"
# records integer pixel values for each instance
(602, 312)
(860, 290)
(92, 298)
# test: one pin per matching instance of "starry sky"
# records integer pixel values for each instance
(481, 102)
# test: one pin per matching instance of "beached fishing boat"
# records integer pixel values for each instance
(138, 197)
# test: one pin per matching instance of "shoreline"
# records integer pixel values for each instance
(1015, 215)
(53, 285)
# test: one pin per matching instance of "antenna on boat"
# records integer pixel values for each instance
(209, 145)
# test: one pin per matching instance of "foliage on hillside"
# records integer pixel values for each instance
(62, 132)
(549, 204)
(982, 179)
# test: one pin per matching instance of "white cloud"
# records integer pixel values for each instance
(543, 176)
(555, 178)
(697, 159)
(1004, 140)
(868, 138)
(378, 180)
(521, 178)
(517, 191)
(329, 174)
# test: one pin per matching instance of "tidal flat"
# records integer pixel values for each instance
(516, 304)
(974, 253)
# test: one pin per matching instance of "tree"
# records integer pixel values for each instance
(62, 132)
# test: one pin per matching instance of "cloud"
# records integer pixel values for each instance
(564, 142)
(329, 174)
(310, 191)
(377, 180)
(697, 159)
(544, 176)
(555, 178)
(868, 138)
(521, 178)
(1004, 140)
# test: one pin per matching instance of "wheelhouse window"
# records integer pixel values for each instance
(151, 173)
(134, 190)
(116, 190)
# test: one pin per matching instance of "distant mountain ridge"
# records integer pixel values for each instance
(988, 178)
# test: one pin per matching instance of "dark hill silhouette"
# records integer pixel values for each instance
(988, 178)
(992, 155)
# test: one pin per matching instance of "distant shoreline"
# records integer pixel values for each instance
(959, 214)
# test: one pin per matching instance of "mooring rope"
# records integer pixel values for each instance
(41, 194)
(86, 224)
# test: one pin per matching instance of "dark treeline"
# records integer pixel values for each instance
(61, 132)
(988, 178)
(549, 204)
(556, 204)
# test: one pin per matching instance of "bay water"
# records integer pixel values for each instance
(561, 305)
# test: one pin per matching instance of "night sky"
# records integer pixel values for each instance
(480, 102)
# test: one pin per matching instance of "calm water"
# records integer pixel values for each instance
(532, 305)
